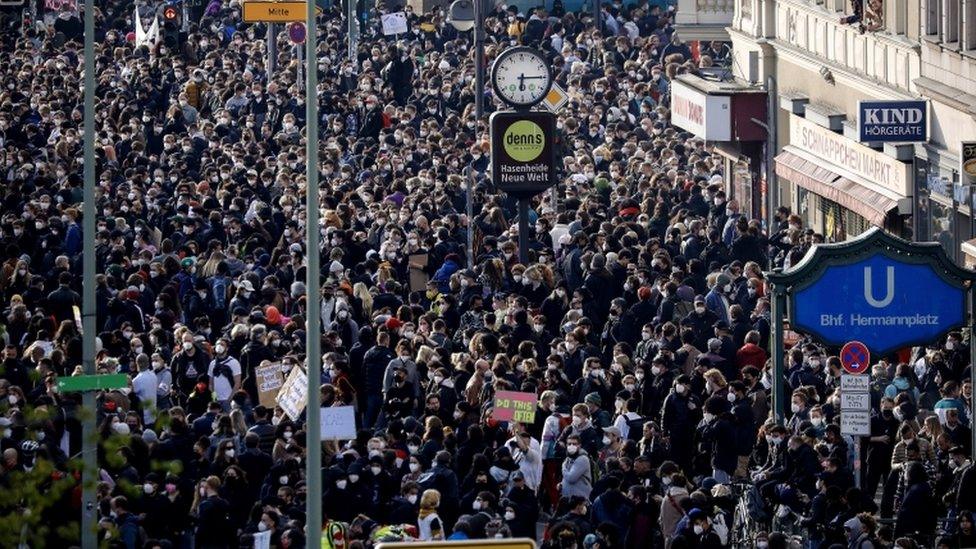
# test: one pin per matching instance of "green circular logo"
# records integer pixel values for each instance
(524, 141)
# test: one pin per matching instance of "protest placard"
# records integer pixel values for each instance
(338, 423)
(293, 394)
(515, 406)
(269, 380)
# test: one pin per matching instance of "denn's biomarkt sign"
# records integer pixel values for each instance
(854, 157)
(706, 116)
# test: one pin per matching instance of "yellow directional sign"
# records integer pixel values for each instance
(556, 98)
(520, 543)
(274, 12)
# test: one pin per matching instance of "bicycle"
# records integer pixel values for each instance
(745, 524)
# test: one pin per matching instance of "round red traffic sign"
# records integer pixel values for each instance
(296, 32)
(855, 357)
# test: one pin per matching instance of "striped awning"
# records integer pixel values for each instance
(866, 202)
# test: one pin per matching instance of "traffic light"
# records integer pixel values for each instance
(171, 26)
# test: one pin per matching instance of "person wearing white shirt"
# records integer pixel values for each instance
(144, 386)
(626, 418)
(527, 453)
(225, 374)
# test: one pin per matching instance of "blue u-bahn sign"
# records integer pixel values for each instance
(878, 289)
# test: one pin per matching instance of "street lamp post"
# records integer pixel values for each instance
(465, 15)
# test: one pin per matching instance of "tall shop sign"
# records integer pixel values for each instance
(851, 156)
(897, 121)
(707, 116)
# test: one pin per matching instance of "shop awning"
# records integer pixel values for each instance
(866, 202)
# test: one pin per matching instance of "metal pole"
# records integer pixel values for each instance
(777, 315)
(313, 322)
(299, 55)
(479, 60)
(351, 22)
(597, 21)
(272, 49)
(479, 113)
(972, 371)
(857, 462)
(771, 185)
(89, 438)
(523, 224)
(469, 205)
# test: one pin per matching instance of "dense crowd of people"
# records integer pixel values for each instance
(640, 320)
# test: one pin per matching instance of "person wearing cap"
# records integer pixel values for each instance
(612, 444)
(698, 530)
(700, 321)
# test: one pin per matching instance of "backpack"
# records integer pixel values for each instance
(594, 470)
(218, 288)
(335, 535)
(635, 428)
(682, 309)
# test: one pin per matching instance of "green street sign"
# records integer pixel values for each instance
(77, 384)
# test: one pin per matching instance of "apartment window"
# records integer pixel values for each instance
(968, 25)
(896, 15)
(950, 20)
(933, 17)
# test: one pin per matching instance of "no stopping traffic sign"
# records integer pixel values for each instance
(855, 357)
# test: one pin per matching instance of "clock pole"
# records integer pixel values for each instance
(479, 67)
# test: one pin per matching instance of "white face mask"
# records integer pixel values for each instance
(680, 389)
(476, 505)
(414, 467)
(263, 526)
(412, 498)
(354, 478)
(509, 515)
(283, 479)
(699, 529)
(229, 453)
(708, 416)
(376, 470)
(572, 448)
(148, 488)
(341, 484)
(795, 407)
(606, 441)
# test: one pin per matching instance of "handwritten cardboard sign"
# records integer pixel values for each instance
(515, 406)
(269, 381)
(294, 393)
(338, 423)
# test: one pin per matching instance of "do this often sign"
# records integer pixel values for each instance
(523, 147)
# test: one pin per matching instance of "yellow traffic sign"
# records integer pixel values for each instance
(556, 98)
(262, 11)
(518, 543)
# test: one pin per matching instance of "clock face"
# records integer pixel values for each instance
(521, 77)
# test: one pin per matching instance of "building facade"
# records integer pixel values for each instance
(900, 50)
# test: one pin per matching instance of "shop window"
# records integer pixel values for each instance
(920, 216)
(942, 226)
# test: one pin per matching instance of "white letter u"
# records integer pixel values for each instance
(889, 291)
